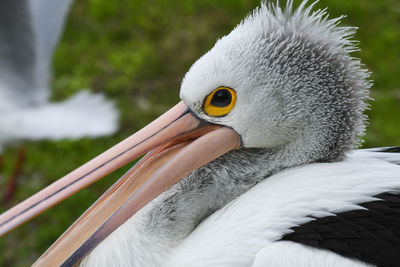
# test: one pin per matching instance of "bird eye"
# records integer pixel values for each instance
(220, 102)
(221, 98)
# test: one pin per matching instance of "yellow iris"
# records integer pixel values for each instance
(220, 102)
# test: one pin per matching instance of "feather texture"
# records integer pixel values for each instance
(234, 234)
(358, 233)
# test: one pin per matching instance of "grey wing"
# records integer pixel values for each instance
(17, 52)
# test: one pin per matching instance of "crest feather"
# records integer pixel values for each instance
(315, 26)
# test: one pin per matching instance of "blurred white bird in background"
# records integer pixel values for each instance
(29, 32)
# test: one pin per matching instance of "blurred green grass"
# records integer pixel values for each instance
(137, 52)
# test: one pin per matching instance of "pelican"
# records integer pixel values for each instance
(29, 32)
(254, 167)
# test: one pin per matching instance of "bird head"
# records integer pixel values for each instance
(289, 79)
(282, 80)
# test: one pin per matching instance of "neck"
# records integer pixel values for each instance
(148, 236)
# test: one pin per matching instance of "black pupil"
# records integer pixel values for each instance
(221, 98)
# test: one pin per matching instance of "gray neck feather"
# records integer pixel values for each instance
(177, 212)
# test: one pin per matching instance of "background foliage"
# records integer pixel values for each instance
(137, 52)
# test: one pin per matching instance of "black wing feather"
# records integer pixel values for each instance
(371, 235)
(393, 149)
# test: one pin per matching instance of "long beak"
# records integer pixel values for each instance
(177, 143)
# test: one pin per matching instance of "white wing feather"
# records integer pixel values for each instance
(290, 254)
(234, 235)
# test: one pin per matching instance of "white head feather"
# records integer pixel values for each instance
(297, 84)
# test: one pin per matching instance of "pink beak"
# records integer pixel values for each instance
(177, 143)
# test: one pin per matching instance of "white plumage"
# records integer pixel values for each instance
(289, 254)
(247, 231)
